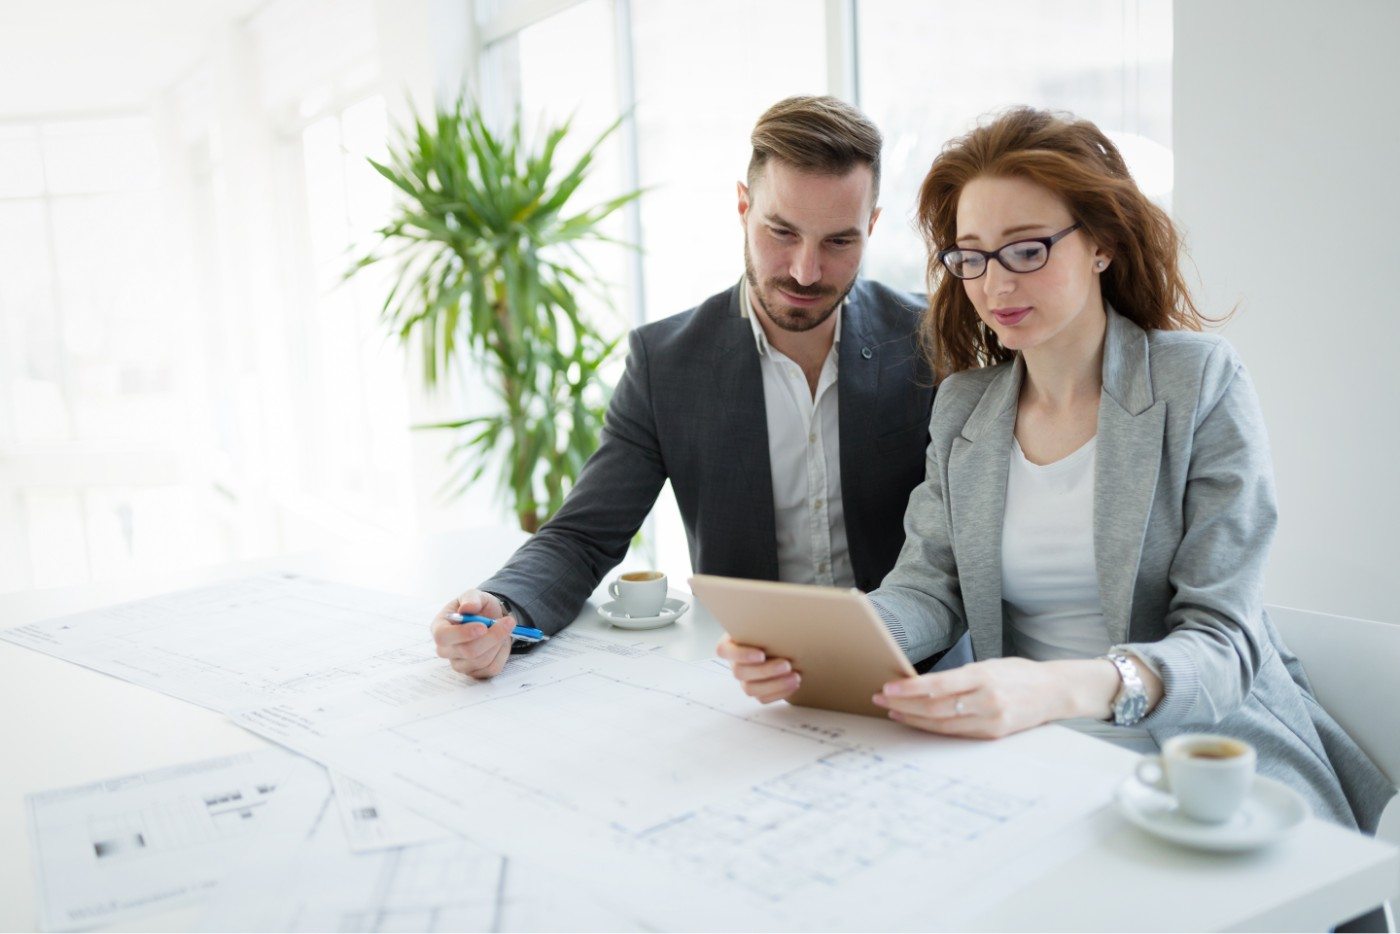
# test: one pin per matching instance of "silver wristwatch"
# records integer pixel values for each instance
(1130, 705)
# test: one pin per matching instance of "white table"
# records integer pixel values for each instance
(65, 725)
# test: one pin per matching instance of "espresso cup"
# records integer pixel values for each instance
(1209, 775)
(639, 593)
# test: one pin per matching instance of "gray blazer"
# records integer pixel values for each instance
(1184, 513)
(689, 409)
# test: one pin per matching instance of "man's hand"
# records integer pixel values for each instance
(766, 679)
(472, 648)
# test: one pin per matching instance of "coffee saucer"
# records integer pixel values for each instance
(1270, 812)
(671, 611)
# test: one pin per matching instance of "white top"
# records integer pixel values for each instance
(804, 449)
(1048, 579)
(1049, 582)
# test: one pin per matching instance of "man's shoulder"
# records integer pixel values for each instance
(694, 324)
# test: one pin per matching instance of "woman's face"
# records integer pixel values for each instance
(1053, 306)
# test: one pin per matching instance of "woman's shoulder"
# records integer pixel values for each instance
(1193, 365)
(959, 393)
(967, 387)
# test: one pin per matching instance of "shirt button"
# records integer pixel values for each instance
(817, 504)
(812, 438)
(822, 567)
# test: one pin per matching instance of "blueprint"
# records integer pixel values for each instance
(256, 839)
(448, 885)
(371, 822)
(666, 789)
(126, 847)
(233, 645)
(656, 784)
(238, 643)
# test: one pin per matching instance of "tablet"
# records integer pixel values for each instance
(834, 637)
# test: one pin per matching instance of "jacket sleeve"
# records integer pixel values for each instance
(1217, 641)
(920, 599)
(551, 576)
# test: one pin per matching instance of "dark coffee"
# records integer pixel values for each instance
(1216, 751)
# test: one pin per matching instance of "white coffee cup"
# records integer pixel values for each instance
(1208, 774)
(639, 593)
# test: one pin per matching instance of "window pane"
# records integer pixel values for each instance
(57, 536)
(568, 72)
(701, 84)
(100, 155)
(133, 529)
(21, 167)
(926, 76)
(33, 377)
(352, 397)
(120, 333)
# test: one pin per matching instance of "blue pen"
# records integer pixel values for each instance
(519, 633)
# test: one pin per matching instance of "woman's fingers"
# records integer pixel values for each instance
(772, 689)
(948, 707)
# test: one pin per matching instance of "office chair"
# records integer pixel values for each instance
(1339, 653)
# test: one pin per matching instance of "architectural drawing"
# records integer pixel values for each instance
(119, 849)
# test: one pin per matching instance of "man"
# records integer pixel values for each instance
(790, 412)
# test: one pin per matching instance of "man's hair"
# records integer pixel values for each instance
(816, 134)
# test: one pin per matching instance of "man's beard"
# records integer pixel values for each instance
(785, 317)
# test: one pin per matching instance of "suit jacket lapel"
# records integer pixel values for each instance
(738, 384)
(857, 379)
(1132, 427)
(976, 496)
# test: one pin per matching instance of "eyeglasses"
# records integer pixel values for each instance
(1021, 256)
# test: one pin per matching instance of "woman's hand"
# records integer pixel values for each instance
(766, 679)
(984, 699)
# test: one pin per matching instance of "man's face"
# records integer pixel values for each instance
(804, 236)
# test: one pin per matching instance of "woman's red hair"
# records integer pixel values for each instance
(1075, 160)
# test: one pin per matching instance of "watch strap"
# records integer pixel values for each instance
(1130, 703)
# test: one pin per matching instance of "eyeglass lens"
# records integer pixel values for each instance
(1026, 256)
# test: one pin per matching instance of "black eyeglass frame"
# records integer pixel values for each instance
(996, 254)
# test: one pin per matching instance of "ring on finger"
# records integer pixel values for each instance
(959, 708)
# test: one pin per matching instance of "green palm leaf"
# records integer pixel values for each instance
(489, 281)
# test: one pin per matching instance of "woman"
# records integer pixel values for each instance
(1099, 501)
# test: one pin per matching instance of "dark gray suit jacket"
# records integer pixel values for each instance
(690, 408)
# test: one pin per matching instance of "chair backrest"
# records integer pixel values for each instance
(1354, 667)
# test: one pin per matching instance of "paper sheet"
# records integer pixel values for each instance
(449, 885)
(668, 790)
(126, 847)
(242, 642)
(371, 822)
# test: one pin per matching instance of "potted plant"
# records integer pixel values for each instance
(486, 239)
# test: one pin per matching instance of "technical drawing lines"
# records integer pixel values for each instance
(660, 747)
(823, 824)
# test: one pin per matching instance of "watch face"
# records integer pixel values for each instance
(1130, 709)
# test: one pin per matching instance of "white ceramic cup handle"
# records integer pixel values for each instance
(1149, 771)
(612, 589)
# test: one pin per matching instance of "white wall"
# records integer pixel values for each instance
(1287, 143)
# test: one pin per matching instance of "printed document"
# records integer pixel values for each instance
(666, 789)
(447, 885)
(126, 847)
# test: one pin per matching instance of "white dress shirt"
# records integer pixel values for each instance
(804, 450)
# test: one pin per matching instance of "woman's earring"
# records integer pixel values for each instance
(1099, 265)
